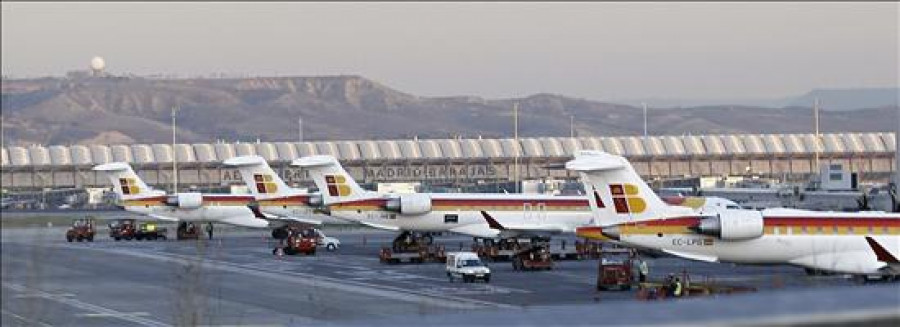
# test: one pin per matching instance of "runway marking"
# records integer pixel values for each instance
(84, 305)
(33, 322)
(398, 293)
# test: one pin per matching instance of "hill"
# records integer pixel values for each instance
(137, 110)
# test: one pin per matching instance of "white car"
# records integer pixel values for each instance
(330, 243)
(467, 266)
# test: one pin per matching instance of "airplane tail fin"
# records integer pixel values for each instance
(126, 183)
(616, 192)
(259, 177)
(333, 181)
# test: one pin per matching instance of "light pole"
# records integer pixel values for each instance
(516, 141)
(572, 126)
(174, 155)
(644, 105)
(818, 136)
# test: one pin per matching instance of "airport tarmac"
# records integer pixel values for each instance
(235, 280)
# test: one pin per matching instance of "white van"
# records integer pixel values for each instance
(330, 243)
(467, 266)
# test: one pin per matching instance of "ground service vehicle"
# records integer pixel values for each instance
(82, 229)
(129, 229)
(300, 241)
(615, 270)
(149, 231)
(187, 231)
(467, 266)
(534, 257)
(330, 243)
(122, 229)
(413, 248)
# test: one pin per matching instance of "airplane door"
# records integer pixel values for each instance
(542, 212)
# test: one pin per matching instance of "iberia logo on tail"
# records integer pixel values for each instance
(265, 184)
(129, 186)
(337, 185)
(626, 198)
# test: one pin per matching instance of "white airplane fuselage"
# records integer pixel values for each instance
(462, 213)
(227, 209)
(820, 240)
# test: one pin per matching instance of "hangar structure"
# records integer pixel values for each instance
(459, 161)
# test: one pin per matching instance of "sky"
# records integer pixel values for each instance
(599, 51)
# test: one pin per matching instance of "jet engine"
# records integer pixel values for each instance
(186, 200)
(410, 204)
(733, 225)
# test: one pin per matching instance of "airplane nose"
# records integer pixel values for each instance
(611, 232)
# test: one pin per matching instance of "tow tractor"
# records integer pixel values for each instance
(82, 229)
(502, 250)
(413, 248)
(298, 241)
(187, 231)
(615, 270)
(534, 256)
(330, 243)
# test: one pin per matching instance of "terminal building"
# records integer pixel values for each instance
(791, 157)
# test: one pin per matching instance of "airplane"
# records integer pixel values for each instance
(136, 196)
(474, 214)
(627, 210)
(277, 201)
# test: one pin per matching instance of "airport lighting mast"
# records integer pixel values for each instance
(572, 126)
(644, 105)
(818, 136)
(516, 141)
(174, 155)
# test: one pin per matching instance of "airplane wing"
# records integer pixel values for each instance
(379, 226)
(692, 256)
(262, 215)
(881, 253)
(528, 229)
(160, 217)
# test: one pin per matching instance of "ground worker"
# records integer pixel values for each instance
(209, 230)
(677, 291)
(643, 270)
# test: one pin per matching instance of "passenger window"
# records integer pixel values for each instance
(835, 229)
(820, 230)
(776, 230)
(451, 219)
(803, 230)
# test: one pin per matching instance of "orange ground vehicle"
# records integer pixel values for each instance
(120, 229)
(300, 241)
(82, 229)
(615, 271)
